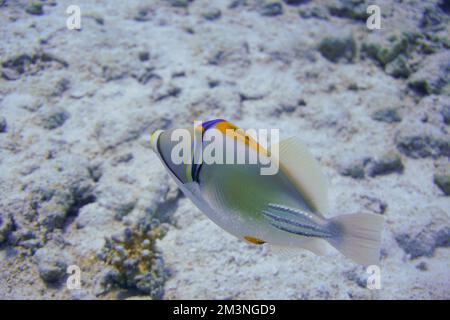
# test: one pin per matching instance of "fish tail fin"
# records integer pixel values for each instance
(358, 237)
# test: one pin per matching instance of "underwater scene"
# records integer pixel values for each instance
(112, 185)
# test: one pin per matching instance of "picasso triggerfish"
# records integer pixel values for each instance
(283, 209)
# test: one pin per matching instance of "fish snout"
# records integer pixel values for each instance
(154, 140)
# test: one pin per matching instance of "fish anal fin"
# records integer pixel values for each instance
(286, 252)
(317, 246)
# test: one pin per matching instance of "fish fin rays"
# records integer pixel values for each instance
(317, 246)
(304, 170)
(359, 238)
(285, 252)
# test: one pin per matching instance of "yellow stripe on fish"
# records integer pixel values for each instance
(229, 129)
(153, 139)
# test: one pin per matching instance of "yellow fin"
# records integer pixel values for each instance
(254, 240)
(304, 171)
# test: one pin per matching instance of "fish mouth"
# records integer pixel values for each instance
(154, 140)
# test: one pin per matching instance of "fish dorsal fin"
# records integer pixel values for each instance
(304, 172)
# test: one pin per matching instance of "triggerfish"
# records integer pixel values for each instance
(285, 209)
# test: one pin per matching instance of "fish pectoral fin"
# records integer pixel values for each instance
(192, 191)
(304, 171)
(295, 221)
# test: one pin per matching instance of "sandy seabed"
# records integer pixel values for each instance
(80, 185)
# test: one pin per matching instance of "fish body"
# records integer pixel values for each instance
(240, 195)
(283, 209)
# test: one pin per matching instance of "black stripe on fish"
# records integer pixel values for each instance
(296, 212)
(298, 222)
(305, 234)
(195, 170)
(165, 162)
(196, 173)
(291, 222)
(314, 230)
